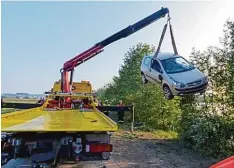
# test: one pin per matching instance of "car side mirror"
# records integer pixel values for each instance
(160, 77)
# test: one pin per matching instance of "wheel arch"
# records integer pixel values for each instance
(164, 84)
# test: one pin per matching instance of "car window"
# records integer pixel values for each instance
(156, 66)
(176, 65)
(147, 61)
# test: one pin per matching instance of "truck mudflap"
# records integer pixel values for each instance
(99, 143)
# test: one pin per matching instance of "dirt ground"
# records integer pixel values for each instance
(140, 153)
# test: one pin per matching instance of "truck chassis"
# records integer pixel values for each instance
(47, 149)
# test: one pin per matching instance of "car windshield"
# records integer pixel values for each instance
(176, 65)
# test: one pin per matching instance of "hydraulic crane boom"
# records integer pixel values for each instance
(97, 48)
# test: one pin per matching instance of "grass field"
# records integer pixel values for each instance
(12, 100)
(7, 110)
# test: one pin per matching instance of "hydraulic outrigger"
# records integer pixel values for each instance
(66, 84)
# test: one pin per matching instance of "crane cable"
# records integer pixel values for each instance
(162, 37)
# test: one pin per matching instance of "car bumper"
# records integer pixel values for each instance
(192, 90)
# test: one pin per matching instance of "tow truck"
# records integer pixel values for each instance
(63, 128)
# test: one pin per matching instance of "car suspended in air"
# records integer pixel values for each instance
(174, 74)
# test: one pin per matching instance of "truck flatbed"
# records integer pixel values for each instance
(53, 120)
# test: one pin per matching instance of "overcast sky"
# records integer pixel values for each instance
(38, 37)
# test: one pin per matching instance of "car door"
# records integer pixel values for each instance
(154, 71)
(146, 65)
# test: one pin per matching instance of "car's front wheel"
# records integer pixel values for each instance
(167, 92)
(144, 80)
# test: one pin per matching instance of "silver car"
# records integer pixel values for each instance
(174, 73)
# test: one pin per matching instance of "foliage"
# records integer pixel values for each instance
(212, 135)
(7, 110)
(208, 128)
(159, 134)
(229, 39)
(151, 108)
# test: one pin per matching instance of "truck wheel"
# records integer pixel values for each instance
(144, 80)
(167, 92)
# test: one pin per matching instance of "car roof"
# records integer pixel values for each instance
(163, 56)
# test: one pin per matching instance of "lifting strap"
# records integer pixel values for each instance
(162, 37)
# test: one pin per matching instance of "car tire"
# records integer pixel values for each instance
(144, 80)
(167, 92)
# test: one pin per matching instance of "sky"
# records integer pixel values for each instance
(38, 37)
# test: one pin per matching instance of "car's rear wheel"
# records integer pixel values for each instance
(144, 80)
(167, 92)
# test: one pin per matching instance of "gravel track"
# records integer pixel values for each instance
(138, 153)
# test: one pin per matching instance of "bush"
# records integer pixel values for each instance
(210, 130)
(212, 135)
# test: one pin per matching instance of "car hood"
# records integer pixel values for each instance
(188, 76)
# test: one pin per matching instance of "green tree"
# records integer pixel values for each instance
(229, 43)
(210, 129)
(151, 108)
